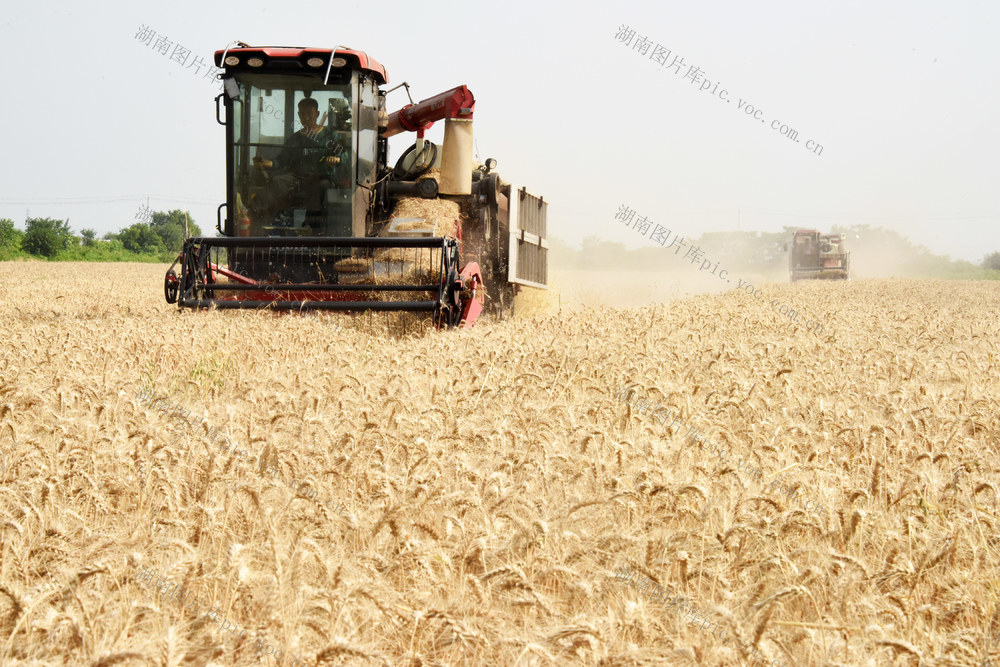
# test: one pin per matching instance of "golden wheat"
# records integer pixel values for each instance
(493, 484)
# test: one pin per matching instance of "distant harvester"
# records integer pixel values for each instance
(815, 255)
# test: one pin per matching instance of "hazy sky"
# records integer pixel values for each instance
(903, 97)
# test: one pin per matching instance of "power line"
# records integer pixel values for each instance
(891, 218)
(844, 217)
(105, 200)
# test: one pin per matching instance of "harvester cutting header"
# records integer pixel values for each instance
(317, 219)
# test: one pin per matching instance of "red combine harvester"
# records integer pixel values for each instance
(818, 256)
(316, 219)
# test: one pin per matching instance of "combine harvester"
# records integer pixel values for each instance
(818, 256)
(316, 219)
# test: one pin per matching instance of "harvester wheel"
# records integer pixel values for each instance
(449, 311)
(170, 286)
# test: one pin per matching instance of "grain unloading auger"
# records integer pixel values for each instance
(317, 220)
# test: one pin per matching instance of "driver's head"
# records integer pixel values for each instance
(308, 112)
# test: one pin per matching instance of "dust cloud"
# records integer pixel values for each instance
(575, 289)
(874, 254)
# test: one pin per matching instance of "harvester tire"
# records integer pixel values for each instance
(170, 286)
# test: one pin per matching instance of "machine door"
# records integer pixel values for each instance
(805, 253)
(293, 155)
(529, 247)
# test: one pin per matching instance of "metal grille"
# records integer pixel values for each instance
(345, 274)
(529, 247)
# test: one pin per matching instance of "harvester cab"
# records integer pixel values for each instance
(316, 219)
(815, 255)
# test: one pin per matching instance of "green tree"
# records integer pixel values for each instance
(601, 254)
(170, 228)
(88, 236)
(46, 236)
(140, 237)
(992, 261)
(10, 236)
(742, 250)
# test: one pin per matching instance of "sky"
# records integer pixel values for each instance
(902, 97)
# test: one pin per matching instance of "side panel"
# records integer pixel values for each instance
(529, 247)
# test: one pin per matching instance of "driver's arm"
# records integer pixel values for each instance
(337, 155)
(285, 159)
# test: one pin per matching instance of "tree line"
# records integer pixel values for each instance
(158, 240)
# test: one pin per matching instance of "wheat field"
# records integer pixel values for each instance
(474, 497)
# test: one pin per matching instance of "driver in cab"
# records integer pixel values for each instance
(305, 167)
(301, 152)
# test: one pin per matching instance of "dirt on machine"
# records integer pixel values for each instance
(315, 218)
(818, 256)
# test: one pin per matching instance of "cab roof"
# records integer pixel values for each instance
(298, 54)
